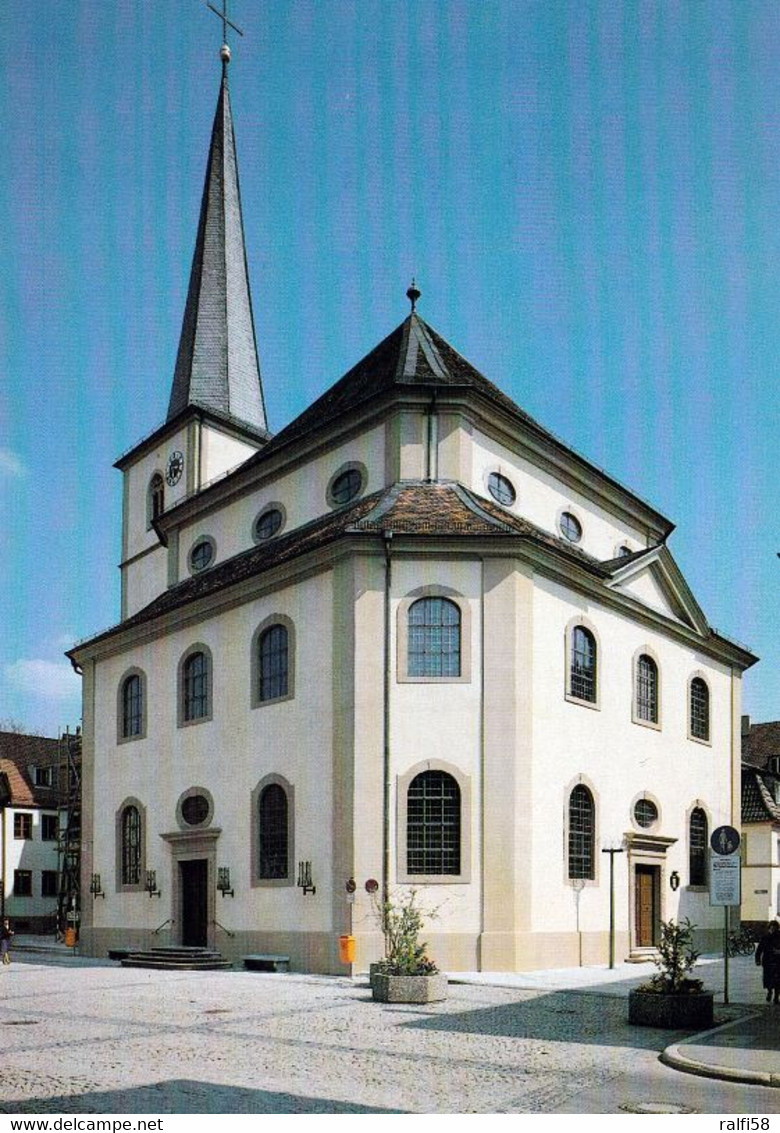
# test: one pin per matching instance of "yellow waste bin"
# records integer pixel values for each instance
(70, 937)
(347, 949)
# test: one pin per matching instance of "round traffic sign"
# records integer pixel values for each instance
(725, 840)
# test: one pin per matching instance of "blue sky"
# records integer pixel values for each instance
(588, 193)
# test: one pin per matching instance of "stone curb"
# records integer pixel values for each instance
(674, 1057)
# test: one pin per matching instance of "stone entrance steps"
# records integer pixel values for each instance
(178, 959)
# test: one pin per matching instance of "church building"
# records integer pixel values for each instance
(409, 641)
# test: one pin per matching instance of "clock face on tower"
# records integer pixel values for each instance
(175, 467)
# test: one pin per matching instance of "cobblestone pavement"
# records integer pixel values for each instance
(89, 1038)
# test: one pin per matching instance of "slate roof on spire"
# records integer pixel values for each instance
(217, 365)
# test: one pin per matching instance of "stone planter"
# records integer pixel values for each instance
(674, 1012)
(409, 989)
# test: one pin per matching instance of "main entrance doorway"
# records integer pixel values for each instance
(646, 905)
(193, 876)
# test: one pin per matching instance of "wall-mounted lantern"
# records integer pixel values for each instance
(223, 881)
(95, 887)
(674, 880)
(151, 883)
(304, 878)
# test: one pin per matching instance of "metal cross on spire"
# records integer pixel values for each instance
(226, 23)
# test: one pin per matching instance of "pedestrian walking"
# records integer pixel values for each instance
(768, 957)
(6, 936)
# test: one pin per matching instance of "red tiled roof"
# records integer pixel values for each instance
(19, 753)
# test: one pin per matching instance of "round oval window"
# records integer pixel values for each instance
(346, 486)
(571, 528)
(501, 489)
(645, 813)
(269, 523)
(201, 555)
(195, 810)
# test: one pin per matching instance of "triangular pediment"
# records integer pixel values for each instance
(655, 580)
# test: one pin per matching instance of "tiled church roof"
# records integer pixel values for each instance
(758, 804)
(408, 508)
(761, 743)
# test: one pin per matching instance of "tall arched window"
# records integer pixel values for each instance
(132, 706)
(697, 847)
(273, 833)
(582, 671)
(195, 687)
(434, 638)
(433, 836)
(131, 846)
(156, 498)
(273, 663)
(647, 689)
(699, 709)
(582, 834)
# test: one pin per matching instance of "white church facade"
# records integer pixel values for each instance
(412, 638)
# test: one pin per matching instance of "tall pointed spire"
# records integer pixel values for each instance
(217, 365)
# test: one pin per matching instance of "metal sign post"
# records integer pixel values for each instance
(725, 874)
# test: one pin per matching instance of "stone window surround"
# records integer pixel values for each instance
(402, 635)
(586, 882)
(645, 651)
(657, 823)
(403, 783)
(140, 886)
(348, 466)
(133, 671)
(258, 882)
(188, 794)
(581, 620)
(196, 542)
(150, 496)
(273, 505)
(698, 804)
(699, 739)
(490, 472)
(254, 663)
(569, 509)
(181, 721)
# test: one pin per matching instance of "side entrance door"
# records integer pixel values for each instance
(646, 905)
(194, 902)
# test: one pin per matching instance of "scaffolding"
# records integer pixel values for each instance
(69, 832)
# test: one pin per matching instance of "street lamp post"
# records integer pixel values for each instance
(612, 850)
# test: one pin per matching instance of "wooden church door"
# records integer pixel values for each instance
(194, 902)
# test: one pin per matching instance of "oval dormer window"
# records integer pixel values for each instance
(195, 810)
(346, 486)
(501, 489)
(570, 527)
(202, 555)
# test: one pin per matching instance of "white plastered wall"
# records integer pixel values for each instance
(620, 760)
(28, 853)
(227, 755)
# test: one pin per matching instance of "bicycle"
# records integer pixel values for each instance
(741, 943)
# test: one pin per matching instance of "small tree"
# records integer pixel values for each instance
(402, 922)
(676, 958)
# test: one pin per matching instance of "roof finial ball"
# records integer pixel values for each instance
(224, 54)
(413, 294)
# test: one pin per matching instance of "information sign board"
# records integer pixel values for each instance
(724, 879)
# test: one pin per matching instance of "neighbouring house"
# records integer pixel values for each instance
(411, 639)
(760, 847)
(29, 830)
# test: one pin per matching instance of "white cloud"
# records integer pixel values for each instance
(10, 464)
(46, 680)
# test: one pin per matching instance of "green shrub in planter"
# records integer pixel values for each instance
(671, 998)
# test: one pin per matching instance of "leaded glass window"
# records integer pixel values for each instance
(274, 833)
(346, 486)
(700, 709)
(433, 824)
(583, 664)
(131, 846)
(647, 689)
(132, 707)
(582, 833)
(434, 638)
(274, 663)
(196, 687)
(697, 847)
(645, 813)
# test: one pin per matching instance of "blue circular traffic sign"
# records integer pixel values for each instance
(725, 840)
